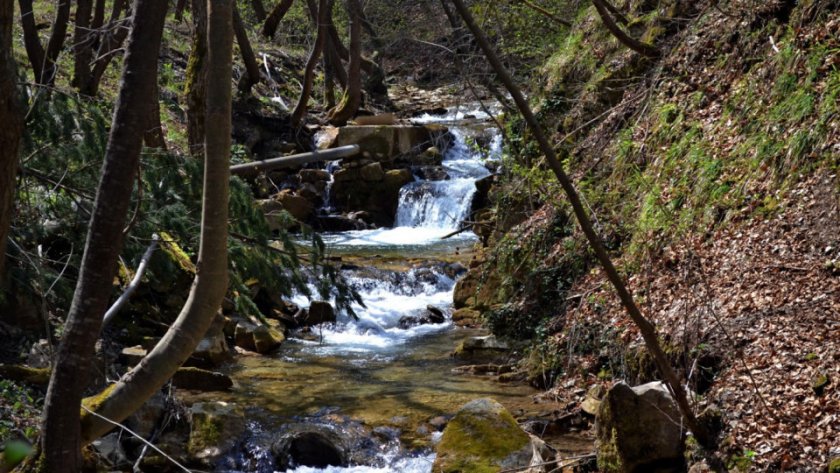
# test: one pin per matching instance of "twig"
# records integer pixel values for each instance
(132, 286)
(456, 232)
(138, 437)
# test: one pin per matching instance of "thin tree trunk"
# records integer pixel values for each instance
(153, 137)
(259, 9)
(195, 89)
(330, 53)
(646, 328)
(300, 110)
(11, 116)
(616, 13)
(31, 41)
(56, 41)
(375, 82)
(542, 11)
(98, 15)
(83, 39)
(252, 68)
(179, 10)
(352, 99)
(275, 17)
(109, 46)
(60, 441)
(644, 49)
(329, 75)
(211, 278)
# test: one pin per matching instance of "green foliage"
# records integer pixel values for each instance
(20, 412)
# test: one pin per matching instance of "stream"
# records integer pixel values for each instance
(371, 370)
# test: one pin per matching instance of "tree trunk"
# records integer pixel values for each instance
(275, 17)
(98, 15)
(647, 329)
(252, 75)
(329, 75)
(195, 89)
(352, 99)
(179, 10)
(259, 9)
(83, 39)
(31, 41)
(56, 41)
(336, 66)
(644, 49)
(211, 278)
(153, 137)
(375, 83)
(11, 116)
(301, 108)
(60, 441)
(109, 46)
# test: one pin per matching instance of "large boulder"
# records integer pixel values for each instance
(311, 446)
(300, 207)
(639, 430)
(320, 312)
(258, 338)
(483, 437)
(370, 189)
(215, 429)
(213, 349)
(481, 349)
(197, 379)
(384, 143)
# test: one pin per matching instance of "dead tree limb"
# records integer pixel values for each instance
(640, 47)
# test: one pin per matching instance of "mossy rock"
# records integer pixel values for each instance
(834, 465)
(215, 429)
(25, 374)
(483, 437)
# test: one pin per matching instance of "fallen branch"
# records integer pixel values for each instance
(252, 169)
(132, 286)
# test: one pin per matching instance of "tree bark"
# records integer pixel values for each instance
(275, 17)
(375, 82)
(646, 328)
(83, 39)
(153, 137)
(11, 116)
(300, 110)
(644, 49)
(31, 42)
(195, 89)
(252, 68)
(109, 44)
(56, 41)
(98, 15)
(211, 278)
(60, 440)
(259, 9)
(352, 99)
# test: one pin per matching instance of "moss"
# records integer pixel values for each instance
(834, 465)
(25, 374)
(93, 403)
(479, 442)
(176, 253)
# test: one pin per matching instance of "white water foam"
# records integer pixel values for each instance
(414, 464)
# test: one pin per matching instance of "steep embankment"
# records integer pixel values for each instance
(712, 176)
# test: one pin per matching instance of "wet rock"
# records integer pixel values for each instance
(481, 198)
(315, 446)
(267, 339)
(383, 143)
(299, 207)
(313, 176)
(319, 312)
(372, 172)
(483, 437)
(638, 429)
(435, 315)
(244, 335)
(338, 223)
(145, 420)
(197, 379)
(215, 429)
(213, 349)
(431, 173)
(481, 348)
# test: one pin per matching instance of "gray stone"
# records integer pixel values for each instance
(215, 429)
(639, 429)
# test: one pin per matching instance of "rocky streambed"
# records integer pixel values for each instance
(374, 393)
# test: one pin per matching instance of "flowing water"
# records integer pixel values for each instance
(371, 369)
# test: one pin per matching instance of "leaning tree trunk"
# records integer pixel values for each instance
(110, 43)
(302, 105)
(252, 68)
(83, 38)
(60, 441)
(31, 42)
(56, 41)
(211, 278)
(195, 88)
(153, 137)
(352, 99)
(646, 328)
(259, 9)
(11, 116)
(275, 17)
(604, 8)
(375, 82)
